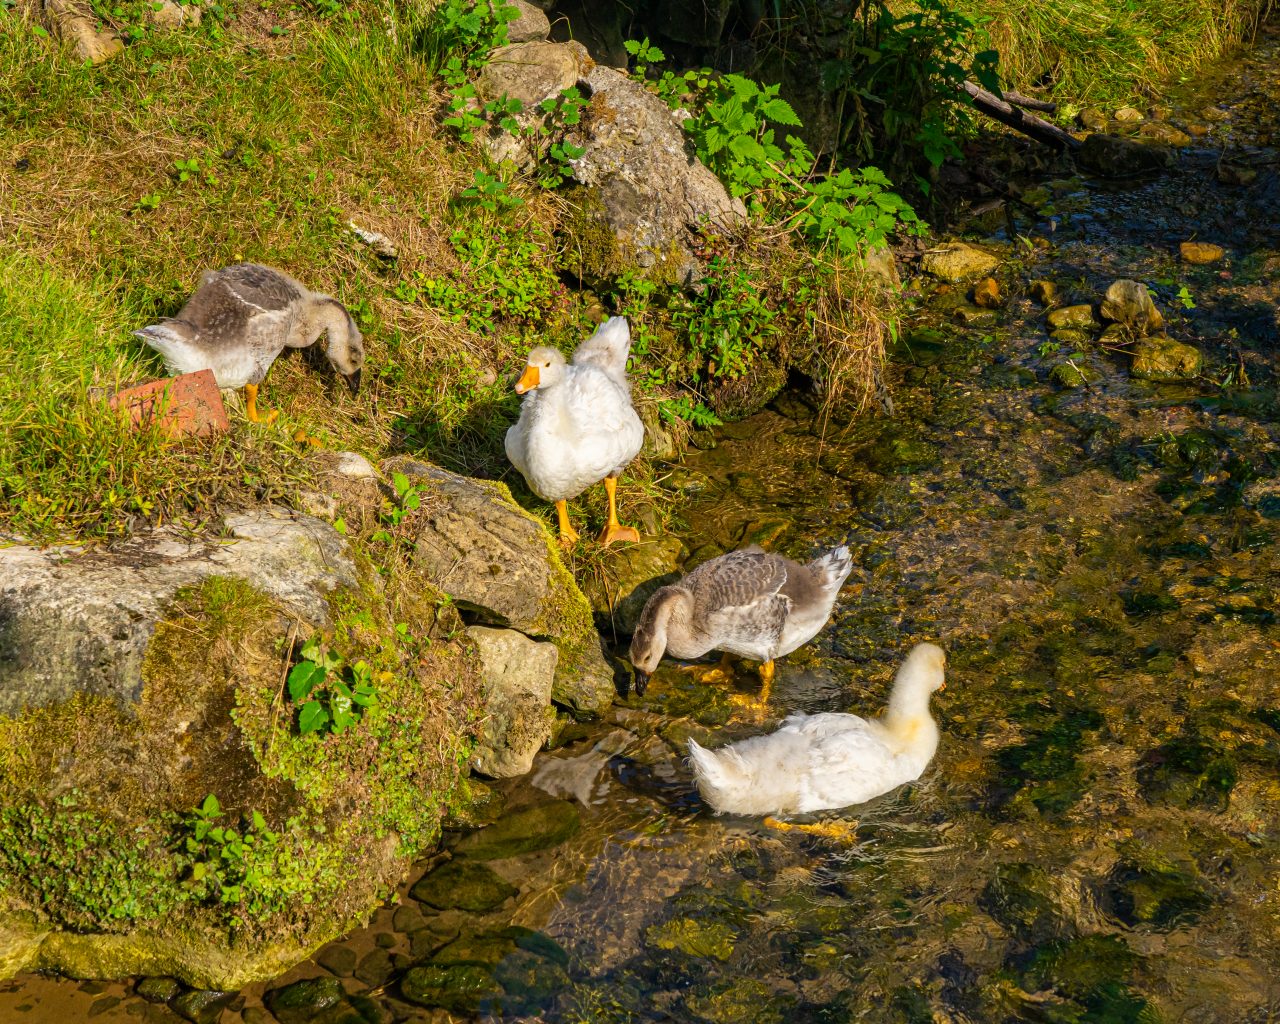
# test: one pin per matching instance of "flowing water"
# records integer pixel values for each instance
(1098, 838)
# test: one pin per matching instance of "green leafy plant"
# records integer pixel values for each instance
(689, 410)
(329, 694)
(1185, 298)
(728, 324)
(490, 193)
(192, 170)
(644, 54)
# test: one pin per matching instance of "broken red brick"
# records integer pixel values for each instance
(180, 406)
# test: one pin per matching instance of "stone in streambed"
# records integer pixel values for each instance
(202, 1006)
(374, 968)
(986, 293)
(1129, 303)
(975, 316)
(460, 988)
(1072, 316)
(1129, 115)
(958, 261)
(1070, 336)
(303, 1001)
(1201, 252)
(522, 831)
(1071, 375)
(699, 939)
(462, 884)
(1028, 901)
(339, 960)
(158, 990)
(1163, 359)
(1093, 119)
(1044, 292)
(1164, 133)
(1111, 156)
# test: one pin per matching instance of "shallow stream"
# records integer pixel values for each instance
(1098, 838)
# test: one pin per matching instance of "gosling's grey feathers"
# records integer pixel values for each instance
(737, 599)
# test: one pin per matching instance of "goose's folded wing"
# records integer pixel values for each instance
(740, 591)
(597, 404)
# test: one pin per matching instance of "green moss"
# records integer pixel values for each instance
(699, 939)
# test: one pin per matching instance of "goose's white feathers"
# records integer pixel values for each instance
(577, 426)
(821, 762)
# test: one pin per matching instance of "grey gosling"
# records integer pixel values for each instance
(242, 317)
(748, 603)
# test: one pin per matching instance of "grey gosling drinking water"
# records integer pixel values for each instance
(242, 317)
(747, 603)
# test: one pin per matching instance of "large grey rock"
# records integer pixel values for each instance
(646, 195)
(629, 577)
(531, 26)
(79, 620)
(532, 71)
(518, 674)
(501, 565)
(75, 23)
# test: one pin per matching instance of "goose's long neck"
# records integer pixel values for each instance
(327, 316)
(664, 615)
(907, 716)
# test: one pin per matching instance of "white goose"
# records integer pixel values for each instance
(822, 762)
(577, 426)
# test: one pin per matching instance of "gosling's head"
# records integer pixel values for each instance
(544, 367)
(649, 641)
(924, 669)
(346, 353)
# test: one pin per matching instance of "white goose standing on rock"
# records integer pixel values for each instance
(577, 425)
(749, 603)
(242, 317)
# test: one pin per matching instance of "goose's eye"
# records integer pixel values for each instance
(547, 365)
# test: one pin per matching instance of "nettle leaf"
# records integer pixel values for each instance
(312, 717)
(303, 678)
(210, 808)
(746, 147)
(743, 88)
(781, 111)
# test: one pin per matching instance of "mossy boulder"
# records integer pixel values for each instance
(106, 774)
(512, 971)
(502, 566)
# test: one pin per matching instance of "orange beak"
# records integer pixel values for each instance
(528, 380)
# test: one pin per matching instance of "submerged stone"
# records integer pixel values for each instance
(522, 831)
(1073, 375)
(1165, 133)
(701, 939)
(464, 885)
(1080, 316)
(1079, 966)
(1146, 888)
(1044, 292)
(461, 988)
(743, 999)
(528, 981)
(158, 990)
(1111, 156)
(1163, 359)
(1188, 772)
(1025, 899)
(204, 1006)
(339, 960)
(303, 1001)
(975, 316)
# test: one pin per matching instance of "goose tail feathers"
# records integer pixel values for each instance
(833, 568)
(721, 775)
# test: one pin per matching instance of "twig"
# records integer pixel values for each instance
(1030, 102)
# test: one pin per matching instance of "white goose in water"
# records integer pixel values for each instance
(577, 426)
(241, 317)
(747, 603)
(822, 762)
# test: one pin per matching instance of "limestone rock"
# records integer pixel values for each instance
(1201, 252)
(1129, 303)
(500, 563)
(77, 620)
(1129, 115)
(532, 71)
(1111, 156)
(531, 26)
(1072, 316)
(173, 15)
(75, 24)
(518, 674)
(1163, 359)
(958, 261)
(645, 195)
(630, 576)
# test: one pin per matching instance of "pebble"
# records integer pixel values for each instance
(1201, 252)
(337, 960)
